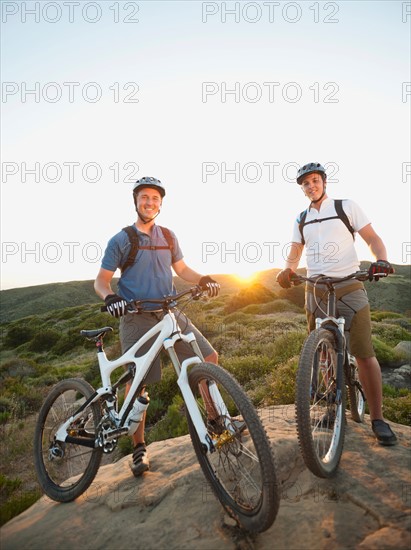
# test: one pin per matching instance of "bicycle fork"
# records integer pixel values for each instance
(336, 326)
(185, 389)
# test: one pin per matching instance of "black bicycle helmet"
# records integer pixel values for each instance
(308, 169)
(153, 183)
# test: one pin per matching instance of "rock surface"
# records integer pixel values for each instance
(365, 506)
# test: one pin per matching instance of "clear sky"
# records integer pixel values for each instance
(219, 100)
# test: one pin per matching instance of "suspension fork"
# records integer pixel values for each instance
(338, 331)
(188, 396)
(339, 337)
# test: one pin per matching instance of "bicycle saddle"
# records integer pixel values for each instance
(96, 333)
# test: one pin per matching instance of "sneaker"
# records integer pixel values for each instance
(383, 432)
(140, 462)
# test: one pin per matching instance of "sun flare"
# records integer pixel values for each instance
(245, 277)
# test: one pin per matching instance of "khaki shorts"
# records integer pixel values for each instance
(353, 305)
(133, 327)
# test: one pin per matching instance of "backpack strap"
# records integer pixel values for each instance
(343, 216)
(135, 245)
(134, 242)
(340, 215)
(168, 237)
(301, 220)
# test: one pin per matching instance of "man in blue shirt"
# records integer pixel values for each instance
(150, 276)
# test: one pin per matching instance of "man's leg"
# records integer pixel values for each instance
(370, 377)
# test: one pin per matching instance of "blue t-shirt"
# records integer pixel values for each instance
(150, 276)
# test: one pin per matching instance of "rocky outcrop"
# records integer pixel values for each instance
(365, 506)
(398, 375)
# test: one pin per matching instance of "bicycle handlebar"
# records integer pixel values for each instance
(325, 280)
(135, 305)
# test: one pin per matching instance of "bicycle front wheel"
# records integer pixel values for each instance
(65, 470)
(355, 392)
(320, 407)
(241, 471)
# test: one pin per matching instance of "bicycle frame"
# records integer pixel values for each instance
(167, 334)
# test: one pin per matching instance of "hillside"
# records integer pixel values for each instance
(391, 294)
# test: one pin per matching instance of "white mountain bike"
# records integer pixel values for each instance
(77, 423)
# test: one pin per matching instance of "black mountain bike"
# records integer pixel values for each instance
(325, 370)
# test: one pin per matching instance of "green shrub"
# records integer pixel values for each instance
(125, 446)
(24, 399)
(397, 408)
(295, 294)
(280, 305)
(174, 423)
(155, 411)
(17, 335)
(247, 368)
(18, 368)
(386, 355)
(68, 341)
(165, 389)
(16, 504)
(253, 294)
(285, 346)
(379, 315)
(4, 417)
(6, 404)
(44, 340)
(390, 334)
(278, 387)
(7, 486)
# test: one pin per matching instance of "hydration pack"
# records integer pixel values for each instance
(135, 245)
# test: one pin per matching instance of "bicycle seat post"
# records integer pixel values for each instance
(332, 302)
(99, 344)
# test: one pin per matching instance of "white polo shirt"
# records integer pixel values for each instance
(329, 244)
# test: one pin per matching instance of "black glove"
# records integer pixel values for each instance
(284, 277)
(380, 266)
(208, 284)
(116, 306)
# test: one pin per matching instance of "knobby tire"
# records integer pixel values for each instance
(321, 440)
(66, 470)
(242, 470)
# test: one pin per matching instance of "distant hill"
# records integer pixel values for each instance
(391, 294)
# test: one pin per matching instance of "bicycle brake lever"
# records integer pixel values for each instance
(197, 292)
(133, 307)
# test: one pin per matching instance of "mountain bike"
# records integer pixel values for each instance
(325, 370)
(78, 423)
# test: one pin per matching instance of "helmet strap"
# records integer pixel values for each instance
(144, 220)
(322, 194)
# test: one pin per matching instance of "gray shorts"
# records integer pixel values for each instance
(353, 305)
(133, 327)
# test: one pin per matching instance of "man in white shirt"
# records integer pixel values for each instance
(327, 230)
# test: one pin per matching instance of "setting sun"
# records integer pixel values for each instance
(246, 276)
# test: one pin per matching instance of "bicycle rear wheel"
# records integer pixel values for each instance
(355, 393)
(66, 470)
(241, 470)
(320, 408)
